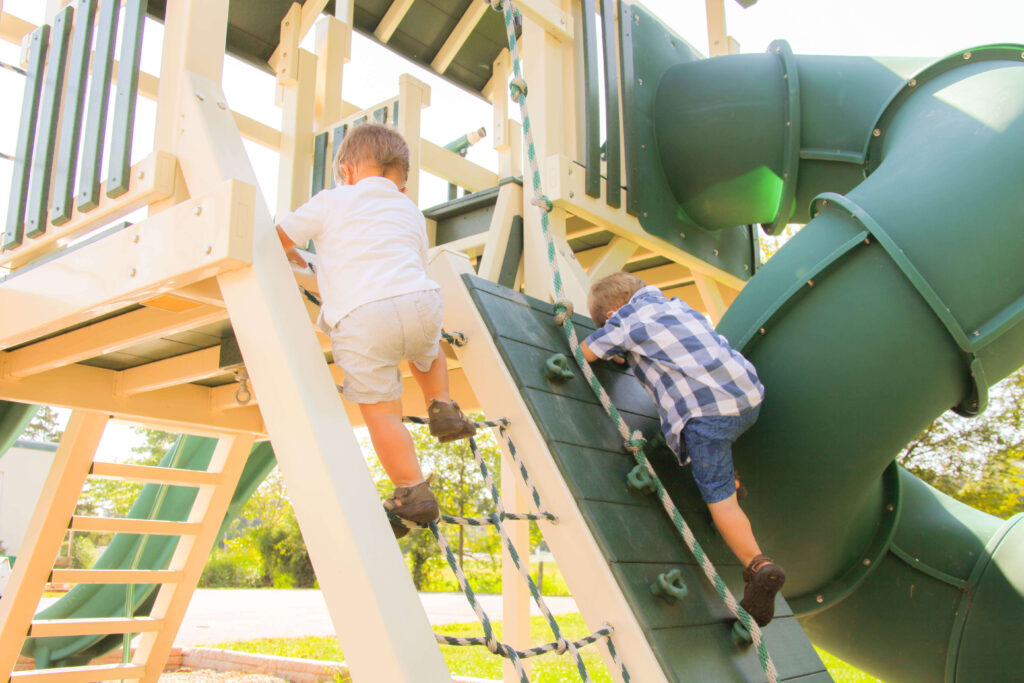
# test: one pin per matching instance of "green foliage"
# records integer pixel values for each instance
(83, 552)
(238, 566)
(44, 427)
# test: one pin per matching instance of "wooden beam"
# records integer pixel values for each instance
(104, 337)
(333, 51)
(588, 257)
(613, 257)
(669, 275)
(82, 674)
(286, 66)
(310, 10)
(13, 29)
(188, 367)
(455, 169)
(48, 628)
(457, 38)
(714, 305)
(296, 165)
(508, 205)
(413, 95)
(552, 18)
(391, 19)
(149, 474)
(185, 408)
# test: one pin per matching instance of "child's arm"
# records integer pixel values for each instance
(289, 248)
(589, 355)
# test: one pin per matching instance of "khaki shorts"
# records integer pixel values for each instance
(369, 343)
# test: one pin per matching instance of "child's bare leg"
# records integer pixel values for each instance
(735, 528)
(392, 442)
(434, 382)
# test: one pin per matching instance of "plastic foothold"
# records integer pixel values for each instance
(669, 586)
(556, 368)
(740, 635)
(640, 480)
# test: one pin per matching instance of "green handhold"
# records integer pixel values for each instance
(740, 635)
(639, 479)
(556, 368)
(669, 586)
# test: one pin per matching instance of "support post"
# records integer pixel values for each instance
(413, 95)
(298, 104)
(333, 51)
(55, 505)
(515, 594)
(711, 296)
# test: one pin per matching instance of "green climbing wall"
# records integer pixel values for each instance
(691, 638)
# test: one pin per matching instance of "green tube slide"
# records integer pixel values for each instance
(171, 503)
(900, 299)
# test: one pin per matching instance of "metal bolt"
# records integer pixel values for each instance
(824, 202)
(788, 124)
(977, 333)
(222, 106)
(785, 175)
(636, 18)
(746, 266)
(785, 77)
(640, 81)
(819, 598)
(643, 146)
(913, 83)
(762, 330)
(135, 239)
(208, 250)
(810, 283)
(876, 132)
(131, 272)
(200, 97)
(645, 214)
(571, 195)
(867, 240)
(198, 211)
(890, 507)
(715, 252)
(141, 175)
(867, 562)
(967, 55)
(682, 235)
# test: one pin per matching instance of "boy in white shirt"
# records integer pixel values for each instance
(379, 305)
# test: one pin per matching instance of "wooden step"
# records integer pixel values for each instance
(114, 576)
(154, 475)
(83, 674)
(45, 628)
(135, 526)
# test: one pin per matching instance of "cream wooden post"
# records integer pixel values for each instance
(613, 258)
(515, 594)
(298, 102)
(509, 203)
(413, 95)
(45, 532)
(711, 296)
(358, 564)
(333, 51)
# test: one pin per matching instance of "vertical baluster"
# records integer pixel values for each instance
(627, 75)
(127, 93)
(49, 120)
(71, 126)
(592, 101)
(613, 147)
(15, 232)
(319, 162)
(339, 135)
(99, 95)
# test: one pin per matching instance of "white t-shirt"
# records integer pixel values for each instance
(371, 244)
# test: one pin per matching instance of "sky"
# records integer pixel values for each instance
(929, 28)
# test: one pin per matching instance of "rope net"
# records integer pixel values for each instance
(633, 440)
(561, 644)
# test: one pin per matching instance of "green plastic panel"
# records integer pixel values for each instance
(14, 234)
(692, 639)
(71, 129)
(613, 142)
(14, 417)
(649, 49)
(513, 254)
(99, 96)
(319, 162)
(118, 176)
(49, 117)
(591, 99)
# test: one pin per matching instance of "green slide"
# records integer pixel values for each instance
(170, 503)
(900, 299)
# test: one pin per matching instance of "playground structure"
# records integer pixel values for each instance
(899, 300)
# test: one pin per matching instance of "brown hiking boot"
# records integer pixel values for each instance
(448, 422)
(762, 585)
(415, 503)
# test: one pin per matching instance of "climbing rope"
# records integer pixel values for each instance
(563, 316)
(561, 644)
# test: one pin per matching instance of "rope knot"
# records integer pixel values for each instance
(563, 645)
(544, 203)
(563, 311)
(517, 88)
(636, 442)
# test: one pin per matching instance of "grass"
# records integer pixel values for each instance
(478, 662)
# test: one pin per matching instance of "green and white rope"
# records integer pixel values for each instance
(563, 315)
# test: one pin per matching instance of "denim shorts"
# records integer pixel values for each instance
(371, 341)
(709, 444)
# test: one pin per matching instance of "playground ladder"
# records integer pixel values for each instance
(54, 515)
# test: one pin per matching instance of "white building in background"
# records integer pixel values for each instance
(23, 470)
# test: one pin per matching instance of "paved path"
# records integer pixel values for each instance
(219, 615)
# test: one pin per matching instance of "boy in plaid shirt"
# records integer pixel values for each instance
(707, 394)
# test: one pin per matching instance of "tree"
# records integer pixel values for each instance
(44, 427)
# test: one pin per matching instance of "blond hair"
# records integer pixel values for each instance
(611, 291)
(375, 144)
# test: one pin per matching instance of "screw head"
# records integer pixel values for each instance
(913, 83)
(222, 106)
(682, 235)
(890, 507)
(715, 252)
(746, 266)
(208, 250)
(762, 330)
(571, 195)
(876, 132)
(141, 175)
(866, 562)
(200, 97)
(810, 283)
(131, 272)
(135, 239)
(640, 81)
(636, 18)
(645, 214)
(967, 55)
(819, 598)
(977, 333)
(198, 211)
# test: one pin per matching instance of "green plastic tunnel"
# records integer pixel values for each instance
(900, 299)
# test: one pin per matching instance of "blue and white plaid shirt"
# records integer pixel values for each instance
(688, 369)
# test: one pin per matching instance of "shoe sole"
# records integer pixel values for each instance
(760, 603)
(451, 429)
